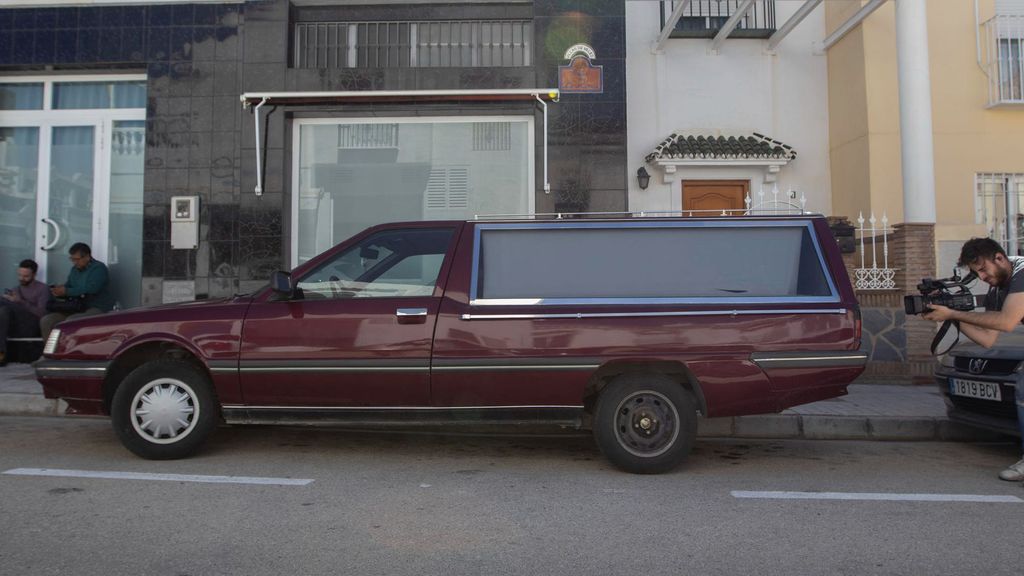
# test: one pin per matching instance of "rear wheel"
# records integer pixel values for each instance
(164, 410)
(645, 423)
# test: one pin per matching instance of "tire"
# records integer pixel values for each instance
(186, 410)
(645, 423)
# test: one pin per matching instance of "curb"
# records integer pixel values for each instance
(30, 405)
(822, 427)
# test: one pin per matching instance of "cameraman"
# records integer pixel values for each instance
(1004, 310)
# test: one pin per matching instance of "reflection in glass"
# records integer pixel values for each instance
(91, 95)
(124, 250)
(21, 96)
(352, 176)
(71, 194)
(19, 158)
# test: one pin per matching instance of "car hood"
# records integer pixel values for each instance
(1009, 345)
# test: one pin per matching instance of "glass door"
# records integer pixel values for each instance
(19, 172)
(69, 215)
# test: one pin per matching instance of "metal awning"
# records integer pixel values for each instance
(256, 100)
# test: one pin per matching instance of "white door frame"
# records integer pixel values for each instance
(45, 120)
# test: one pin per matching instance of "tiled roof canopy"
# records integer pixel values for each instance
(756, 146)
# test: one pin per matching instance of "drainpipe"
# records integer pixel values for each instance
(547, 185)
(259, 155)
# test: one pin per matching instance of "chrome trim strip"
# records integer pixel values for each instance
(581, 315)
(407, 408)
(48, 368)
(809, 359)
(99, 369)
(334, 369)
(764, 300)
(516, 368)
(405, 312)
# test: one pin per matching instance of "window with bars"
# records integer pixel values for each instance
(414, 44)
(999, 204)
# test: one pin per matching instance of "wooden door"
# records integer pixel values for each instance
(714, 195)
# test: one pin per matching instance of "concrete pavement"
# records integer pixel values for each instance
(868, 412)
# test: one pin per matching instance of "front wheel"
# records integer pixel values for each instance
(645, 423)
(164, 410)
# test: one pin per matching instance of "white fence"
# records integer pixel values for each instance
(874, 277)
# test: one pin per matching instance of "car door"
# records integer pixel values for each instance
(358, 330)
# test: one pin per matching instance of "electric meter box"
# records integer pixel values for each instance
(184, 222)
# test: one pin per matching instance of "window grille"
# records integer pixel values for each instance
(492, 136)
(1004, 59)
(368, 136)
(408, 44)
(999, 204)
(704, 18)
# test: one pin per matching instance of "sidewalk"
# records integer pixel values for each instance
(868, 412)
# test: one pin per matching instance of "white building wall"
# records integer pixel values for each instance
(740, 90)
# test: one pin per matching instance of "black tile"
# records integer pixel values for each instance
(181, 78)
(225, 79)
(179, 264)
(204, 43)
(88, 45)
(158, 44)
(184, 14)
(202, 81)
(67, 45)
(111, 17)
(46, 19)
(110, 44)
(181, 43)
(135, 16)
(6, 20)
(23, 47)
(228, 41)
(603, 123)
(199, 180)
(260, 221)
(24, 19)
(199, 153)
(226, 111)
(177, 179)
(153, 256)
(266, 42)
(259, 256)
(223, 258)
(66, 18)
(89, 17)
(6, 47)
(228, 15)
(45, 48)
(206, 14)
(160, 15)
(202, 112)
(223, 222)
(607, 36)
(133, 45)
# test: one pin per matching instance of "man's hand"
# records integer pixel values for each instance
(937, 313)
(58, 291)
(12, 297)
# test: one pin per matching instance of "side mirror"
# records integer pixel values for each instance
(368, 253)
(281, 284)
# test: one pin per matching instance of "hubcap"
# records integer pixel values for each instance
(646, 423)
(164, 411)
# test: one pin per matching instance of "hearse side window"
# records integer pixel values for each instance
(389, 263)
(761, 262)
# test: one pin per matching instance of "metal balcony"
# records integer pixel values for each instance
(704, 18)
(1002, 58)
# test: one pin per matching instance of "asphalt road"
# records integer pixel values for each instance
(423, 504)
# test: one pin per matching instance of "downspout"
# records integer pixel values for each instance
(547, 185)
(259, 156)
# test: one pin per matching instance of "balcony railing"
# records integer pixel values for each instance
(409, 44)
(704, 18)
(1003, 59)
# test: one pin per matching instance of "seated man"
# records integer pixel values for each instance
(89, 279)
(22, 306)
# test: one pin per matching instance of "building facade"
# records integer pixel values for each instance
(353, 115)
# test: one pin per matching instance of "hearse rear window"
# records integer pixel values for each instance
(581, 262)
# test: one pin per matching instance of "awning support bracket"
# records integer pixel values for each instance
(544, 106)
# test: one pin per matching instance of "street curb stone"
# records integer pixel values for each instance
(767, 426)
(835, 427)
(29, 405)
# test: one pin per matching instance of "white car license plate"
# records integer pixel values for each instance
(975, 389)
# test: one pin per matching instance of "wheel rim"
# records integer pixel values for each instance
(165, 411)
(646, 424)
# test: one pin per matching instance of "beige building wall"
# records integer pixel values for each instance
(969, 137)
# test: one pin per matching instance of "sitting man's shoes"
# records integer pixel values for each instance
(1014, 473)
(3, 359)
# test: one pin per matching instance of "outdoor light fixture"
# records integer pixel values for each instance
(643, 178)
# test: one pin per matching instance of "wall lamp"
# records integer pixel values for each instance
(643, 178)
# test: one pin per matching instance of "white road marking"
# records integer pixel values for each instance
(875, 496)
(160, 477)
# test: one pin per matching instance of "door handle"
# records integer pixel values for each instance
(56, 235)
(411, 315)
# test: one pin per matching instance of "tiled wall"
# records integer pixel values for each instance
(199, 58)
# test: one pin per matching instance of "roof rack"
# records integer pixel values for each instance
(732, 212)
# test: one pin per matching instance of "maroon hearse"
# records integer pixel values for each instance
(630, 327)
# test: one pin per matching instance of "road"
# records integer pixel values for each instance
(373, 503)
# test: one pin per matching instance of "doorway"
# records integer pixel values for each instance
(71, 168)
(712, 197)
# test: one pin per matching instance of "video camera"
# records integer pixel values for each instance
(950, 292)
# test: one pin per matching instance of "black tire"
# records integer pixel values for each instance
(645, 423)
(186, 410)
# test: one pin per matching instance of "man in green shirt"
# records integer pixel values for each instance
(88, 279)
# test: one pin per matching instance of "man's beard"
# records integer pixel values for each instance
(1002, 277)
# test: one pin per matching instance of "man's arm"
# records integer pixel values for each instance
(983, 327)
